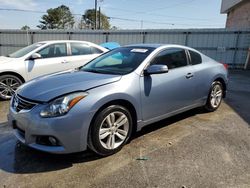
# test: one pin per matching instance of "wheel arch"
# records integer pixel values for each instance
(224, 85)
(14, 74)
(122, 102)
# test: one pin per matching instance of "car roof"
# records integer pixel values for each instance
(155, 46)
(55, 41)
(79, 41)
(145, 45)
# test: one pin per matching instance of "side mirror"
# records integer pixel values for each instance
(156, 69)
(35, 56)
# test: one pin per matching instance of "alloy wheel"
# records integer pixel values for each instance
(113, 130)
(216, 96)
(8, 86)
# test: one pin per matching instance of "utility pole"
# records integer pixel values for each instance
(99, 18)
(81, 23)
(27, 33)
(95, 14)
(141, 24)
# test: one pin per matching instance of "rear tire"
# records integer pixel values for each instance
(8, 85)
(110, 130)
(214, 97)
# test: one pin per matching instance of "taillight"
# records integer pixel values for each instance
(225, 65)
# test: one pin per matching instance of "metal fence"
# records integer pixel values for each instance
(228, 46)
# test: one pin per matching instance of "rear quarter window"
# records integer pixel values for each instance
(195, 58)
(96, 50)
(80, 49)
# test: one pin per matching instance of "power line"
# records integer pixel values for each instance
(171, 6)
(25, 10)
(158, 15)
(153, 22)
(134, 20)
(21, 10)
(111, 17)
(111, 8)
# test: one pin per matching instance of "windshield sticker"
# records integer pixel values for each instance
(139, 50)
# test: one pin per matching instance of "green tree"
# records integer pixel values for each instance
(114, 28)
(25, 27)
(57, 18)
(89, 19)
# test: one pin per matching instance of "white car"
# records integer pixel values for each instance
(43, 58)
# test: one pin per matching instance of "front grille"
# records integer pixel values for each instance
(19, 104)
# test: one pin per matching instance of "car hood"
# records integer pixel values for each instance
(4, 59)
(45, 88)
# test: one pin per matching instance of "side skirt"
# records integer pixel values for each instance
(141, 124)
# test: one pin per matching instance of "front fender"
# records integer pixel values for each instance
(125, 89)
(118, 96)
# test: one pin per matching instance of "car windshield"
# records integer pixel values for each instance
(118, 61)
(25, 50)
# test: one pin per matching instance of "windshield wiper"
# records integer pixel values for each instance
(94, 71)
(100, 71)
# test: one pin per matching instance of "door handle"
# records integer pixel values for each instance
(64, 61)
(189, 75)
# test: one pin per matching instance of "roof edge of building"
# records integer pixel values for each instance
(227, 5)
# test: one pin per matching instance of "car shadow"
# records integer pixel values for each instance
(19, 159)
(238, 95)
(168, 121)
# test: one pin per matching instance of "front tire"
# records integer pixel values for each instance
(110, 130)
(8, 86)
(215, 97)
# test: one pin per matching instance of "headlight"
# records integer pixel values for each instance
(62, 105)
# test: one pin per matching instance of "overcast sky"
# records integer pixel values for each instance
(125, 14)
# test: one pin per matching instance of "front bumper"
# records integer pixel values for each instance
(70, 130)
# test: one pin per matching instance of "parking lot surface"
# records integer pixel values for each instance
(193, 149)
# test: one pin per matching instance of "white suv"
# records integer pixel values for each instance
(43, 58)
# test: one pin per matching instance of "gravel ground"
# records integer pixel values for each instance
(193, 149)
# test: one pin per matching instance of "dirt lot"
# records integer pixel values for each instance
(193, 149)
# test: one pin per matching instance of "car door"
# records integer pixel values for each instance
(167, 92)
(53, 59)
(82, 53)
(202, 83)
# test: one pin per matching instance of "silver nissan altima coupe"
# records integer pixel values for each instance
(99, 105)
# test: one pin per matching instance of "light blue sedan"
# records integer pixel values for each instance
(100, 105)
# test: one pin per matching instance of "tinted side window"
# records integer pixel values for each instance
(80, 49)
(195, 58)
(96, 50)
(173, 58)
(54, 50)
